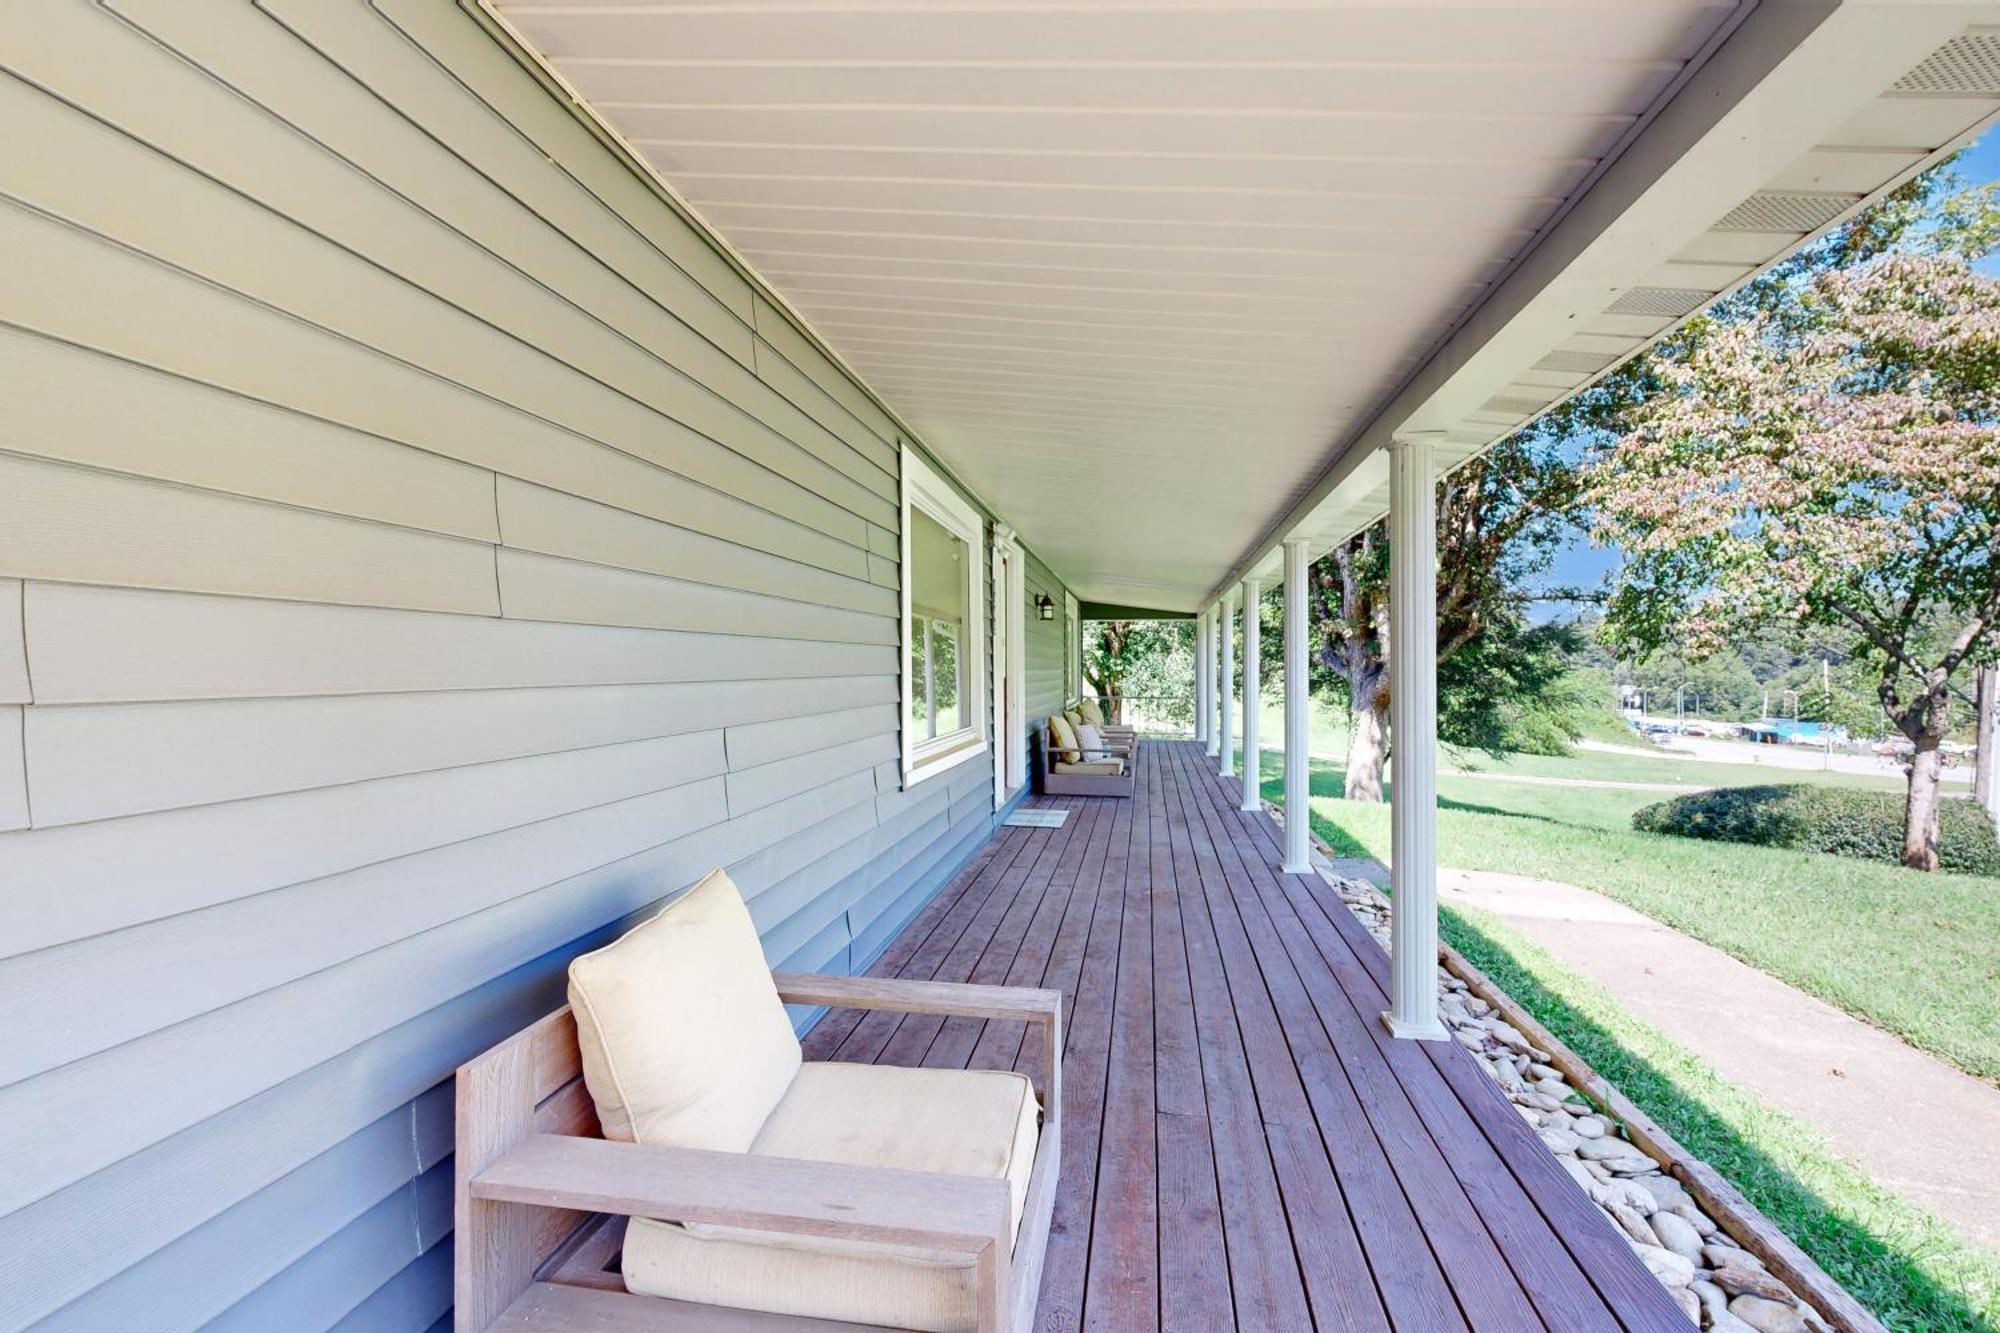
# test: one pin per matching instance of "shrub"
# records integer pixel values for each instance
(1846, 821)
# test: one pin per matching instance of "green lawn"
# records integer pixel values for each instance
(1916, 954)
(1911, 1270)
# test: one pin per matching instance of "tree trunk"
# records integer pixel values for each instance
(1923, 721)
(1920, 821)
(1367, 746)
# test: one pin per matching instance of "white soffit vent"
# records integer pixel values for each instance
(1514, 407)
(1786, 210)
(1663, 302)
(1964, 66)
(1575, 363)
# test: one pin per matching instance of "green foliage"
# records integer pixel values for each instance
(1144, 665)
(1512, 688)
(1810, 818)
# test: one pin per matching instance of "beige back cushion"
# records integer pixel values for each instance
(1090, 712)
(685, 1043)
(1064, 736)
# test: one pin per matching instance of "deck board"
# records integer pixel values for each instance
(1245, 1147)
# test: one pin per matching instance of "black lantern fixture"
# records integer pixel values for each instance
(1044, 608)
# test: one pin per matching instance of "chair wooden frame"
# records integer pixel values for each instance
(542, 1197)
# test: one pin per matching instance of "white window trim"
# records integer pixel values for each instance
(1073, 619)
(923, 488)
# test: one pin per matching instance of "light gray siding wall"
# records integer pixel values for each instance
(420, 551)
(1047, 645)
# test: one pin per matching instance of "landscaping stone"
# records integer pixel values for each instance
(1666, 1192)
(1715, 1255)
(1752, 1282)
(1670, 1268)
(1678, 1235)
(1608, 1150)
(1633, 1224)
(1768, 1316)
(1716, 1284)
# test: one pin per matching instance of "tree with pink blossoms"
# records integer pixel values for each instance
(1830, 458)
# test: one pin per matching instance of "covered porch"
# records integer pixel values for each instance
(1245, 1144)
(479, 468)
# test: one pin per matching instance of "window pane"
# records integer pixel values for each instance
(938, 612)
(944, 675)
(920, 679)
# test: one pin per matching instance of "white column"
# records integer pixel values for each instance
(1253, 771)
(1214, 732)
(1413, 913)
(1226, 687)
(1201, 678)
(1298, 838)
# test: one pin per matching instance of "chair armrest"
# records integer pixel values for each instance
(959, 1214)
(918, 997)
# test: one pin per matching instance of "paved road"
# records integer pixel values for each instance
(1714, 750)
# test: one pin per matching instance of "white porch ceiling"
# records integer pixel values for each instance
(1138, 271)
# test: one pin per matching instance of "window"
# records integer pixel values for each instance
(944, 624)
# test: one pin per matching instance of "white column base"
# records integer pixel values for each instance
(1414, 1032)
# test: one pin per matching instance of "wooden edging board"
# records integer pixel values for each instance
(1721, 1200)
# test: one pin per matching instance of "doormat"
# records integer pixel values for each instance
(1037, 818)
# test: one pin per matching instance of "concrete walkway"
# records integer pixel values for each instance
(1915, 1124)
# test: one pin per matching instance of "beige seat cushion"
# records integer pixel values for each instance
(1064, 737)
(962, 1122)
(685, 1043)
(1093, 768)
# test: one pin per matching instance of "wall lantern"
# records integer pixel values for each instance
(1044, 608)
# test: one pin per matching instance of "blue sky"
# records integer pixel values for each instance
(1579, 565)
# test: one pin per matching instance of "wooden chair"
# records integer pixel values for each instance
(1060, 777)
(542, 1198)
(1118, 733)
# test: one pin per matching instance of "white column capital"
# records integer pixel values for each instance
(1415, 439)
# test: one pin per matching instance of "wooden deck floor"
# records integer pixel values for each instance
(1244, 1146)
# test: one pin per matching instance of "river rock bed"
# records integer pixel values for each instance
(1717, 1284)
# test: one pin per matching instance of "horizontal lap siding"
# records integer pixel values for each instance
(1047, 676)
(420, 551)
